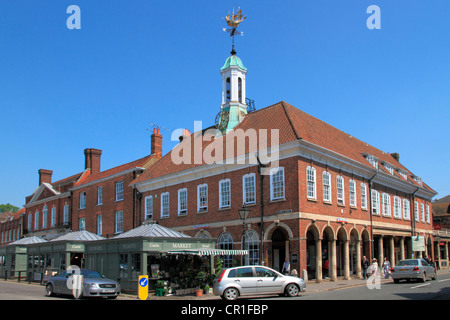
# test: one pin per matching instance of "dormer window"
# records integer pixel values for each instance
(372, 160)
(417, 179)
(402, 173)
(388, 167)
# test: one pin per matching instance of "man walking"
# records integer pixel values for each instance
(365, 265)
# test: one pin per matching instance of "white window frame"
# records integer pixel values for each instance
(44, 217)
(422, 212)
(416, 211)
(224, 193)
(83, 200)
(375, 205)
(30, 222)
(386, 205)
(119, 190)
(352, 192)
(406, 209)
(99, 224)
(397, 207)
(148, 207)
(340, 190)
(100, 195)
(182, 201)
(202, 197)
(66, 214)
(363, 189)
(428, 213)
(82, 224)
(277, 184)
(248, 188)
(326, 184)
(165, 204)
(53, 218)
(118, 222)
(311, 183)
(36, 220)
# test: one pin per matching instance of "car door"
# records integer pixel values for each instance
(268, 280)
(244, 279)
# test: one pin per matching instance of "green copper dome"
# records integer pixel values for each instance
(233, 61)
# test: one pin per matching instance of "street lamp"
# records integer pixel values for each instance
(243, 213)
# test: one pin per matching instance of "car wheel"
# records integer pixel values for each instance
(424, 277)
(396, 280)
(49, 290)
(434, 277)
(292, 290)
(230, 294)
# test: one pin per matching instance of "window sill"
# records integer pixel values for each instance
(277, 200)
(311, 199)
(328, 203)
(224, 208)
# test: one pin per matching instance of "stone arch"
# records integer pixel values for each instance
(313, 252)
(270, 229)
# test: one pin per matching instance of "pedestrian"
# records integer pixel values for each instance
(373, 269)
(325, 269)
(386, 268)
(365, 264)
(286, 267)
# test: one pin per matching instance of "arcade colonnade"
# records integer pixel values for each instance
(332, 250)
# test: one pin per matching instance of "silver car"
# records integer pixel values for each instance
(255, 280)
(94, 285)
(413, 269)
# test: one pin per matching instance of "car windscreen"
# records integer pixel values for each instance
(408, 263)
(90, 274)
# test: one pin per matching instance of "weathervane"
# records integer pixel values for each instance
(233, 20)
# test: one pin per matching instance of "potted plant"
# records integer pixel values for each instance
(159, 288)
(206, 289)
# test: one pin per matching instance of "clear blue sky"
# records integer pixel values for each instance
(138, 62)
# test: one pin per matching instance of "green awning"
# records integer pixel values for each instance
(210, 252)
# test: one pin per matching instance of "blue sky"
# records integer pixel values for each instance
(138, 62)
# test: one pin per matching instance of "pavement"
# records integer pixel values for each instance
(311, 286)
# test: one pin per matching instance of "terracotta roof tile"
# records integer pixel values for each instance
(293, 124)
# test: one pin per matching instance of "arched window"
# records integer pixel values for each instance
(240, 89)
(228, 90)
(225, 242)
(252, 245)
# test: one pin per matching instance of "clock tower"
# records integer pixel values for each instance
(234, 107)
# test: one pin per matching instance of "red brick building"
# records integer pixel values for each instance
(97, 201)
(328, 197)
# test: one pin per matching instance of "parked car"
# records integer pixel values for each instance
(255, 280)
(413, 269)
(94, 285)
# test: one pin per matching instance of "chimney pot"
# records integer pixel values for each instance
(156, 143)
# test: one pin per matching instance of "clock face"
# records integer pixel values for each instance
(222, 120)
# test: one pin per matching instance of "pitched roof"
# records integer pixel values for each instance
(293, 124)
(79, 236)
(28, 240)
(103, 174)
(152, 231)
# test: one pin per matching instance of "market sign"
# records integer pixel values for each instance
(418, 243)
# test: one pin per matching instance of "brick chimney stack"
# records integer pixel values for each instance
(92, 159)
(396, 156)
(45, 176)
(156, 143)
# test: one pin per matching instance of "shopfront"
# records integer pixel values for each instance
(156, 251)
(49, 258)
(13, 257)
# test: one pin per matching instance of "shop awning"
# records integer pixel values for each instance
(210, 252)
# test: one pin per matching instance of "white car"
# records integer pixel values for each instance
(255, 280)
(413, 269)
